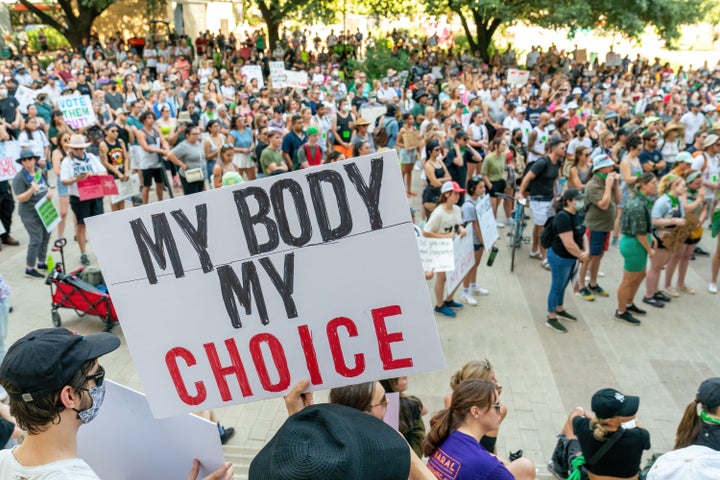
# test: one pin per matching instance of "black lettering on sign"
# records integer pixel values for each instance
(278, 201)
(163, 240)
(233, 290)
(196, 236)
(370, 194)
(315, 180)
(284, 285)
(249, 221)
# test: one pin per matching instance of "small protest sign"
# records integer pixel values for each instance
(97, 186)
(464, 259)
(613, 59)
(581, 56)
(436, 254)
(277, 75)
(254, 71)
(49, 216)
(248, 317)
(77, 110)
(25, 97)
(516, 77)
(296, 79)
(371, 114)
(127, 189)
(9, 152)
(486, 221)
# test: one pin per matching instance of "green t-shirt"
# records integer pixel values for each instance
(270, 156)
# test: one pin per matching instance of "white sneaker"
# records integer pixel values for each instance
(479, 291)
(499, 224)
(469, 299)
(712, 288)
(537, 254)
(545, 265)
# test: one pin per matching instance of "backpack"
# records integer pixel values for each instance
(548, 234)
(380, 135)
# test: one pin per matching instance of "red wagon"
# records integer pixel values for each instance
(68, 290)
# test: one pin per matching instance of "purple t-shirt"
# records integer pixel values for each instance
(461, 457)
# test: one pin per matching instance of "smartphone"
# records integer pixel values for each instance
(628, 425)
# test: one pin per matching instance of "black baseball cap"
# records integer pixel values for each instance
(609, 403)
(709, 393)
(44, 360)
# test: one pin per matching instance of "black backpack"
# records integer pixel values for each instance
(548, 234)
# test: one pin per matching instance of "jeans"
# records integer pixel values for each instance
(209, 166)
(562, 270)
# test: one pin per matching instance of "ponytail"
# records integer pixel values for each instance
(599, 429)
(689, 427)
(441, 424)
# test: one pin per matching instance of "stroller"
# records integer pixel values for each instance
(68, 290)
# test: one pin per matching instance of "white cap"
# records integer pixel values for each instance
(695, 462)
(708, 108)
(520, 110)
(571, 106)
(576, 91)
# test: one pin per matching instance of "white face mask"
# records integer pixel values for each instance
(346, 108)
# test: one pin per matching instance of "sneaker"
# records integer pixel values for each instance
(565, 314)
(686, 290)
(226, 433)
(42, 266)
(445, 310)
(469, 299)
(537, 255)
(627, 318)
(512, 456)
(712, 288)
(453, 304)
(32, 273)
(615, 241)
(555, 324)
(662, 296)
(585, 294)
(545, 265)
(84, 259)
(478, 290)
(653, 301)
(598, 290)
(672, 292)
(499, 224)
(556, 472)
(10, 241)
(698, 250)
(634, 309)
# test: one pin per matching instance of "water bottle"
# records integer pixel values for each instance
(491, 258)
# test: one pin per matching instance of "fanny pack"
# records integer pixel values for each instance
(193, 175)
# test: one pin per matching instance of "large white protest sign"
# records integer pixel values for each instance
(127, 189)
(77, 110)
(296, 79)
(234, 294)
(254, 71)
(9, 152)
(464, 256)
(277, 74)
(125, 442)
(25, 97)
(486, 221)
(517, 77)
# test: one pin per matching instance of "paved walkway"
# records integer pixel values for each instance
(544, 374)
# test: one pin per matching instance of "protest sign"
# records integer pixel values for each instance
(302, 290)
(127, 189)
(464, 258)
(613, 59)
(371, 114)
(318, 78)
(49, 216)
(97, 186)
(517, 77)
(77, 110)
(125, 442)
(25, 97)
(581, 56)
(392, 412)
(9, 152)
(277, 74)
(254, 71)
(486, 221)
(437, 73)
(296, 79)
(436, 254)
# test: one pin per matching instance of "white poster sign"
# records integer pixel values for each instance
(77, 110)
(516, 77)
(277, 74)
(25, 97)
(436, 254)
(318, 78)
(437, 73)
(464, 256)
(613, 59)
(9, 152)
(371, 114)
(296, 79)
(125, 442)
(486, 220)
(254, 71)
(211, 322)
(127, 189)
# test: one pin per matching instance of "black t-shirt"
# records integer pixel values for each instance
(546, 173)
(709, 436)
(458, 173)
(565, 221)
(533, 115)
(623, 458)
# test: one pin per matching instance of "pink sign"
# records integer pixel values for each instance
(97, 186)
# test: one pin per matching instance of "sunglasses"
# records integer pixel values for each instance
(98, 376)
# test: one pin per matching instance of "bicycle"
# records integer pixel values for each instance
(515, 234)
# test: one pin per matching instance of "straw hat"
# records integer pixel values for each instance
(671, 127)
(362, 121)
(78, 141)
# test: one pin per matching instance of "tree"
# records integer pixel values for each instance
(274, 12)
(480, 19)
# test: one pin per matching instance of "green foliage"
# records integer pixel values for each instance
(379, 59)
(55, 39)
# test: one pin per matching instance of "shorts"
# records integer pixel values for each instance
(63, 190)
(430, 194)
(86, 208)
(477, 246)
(408, 157)
(497, 188)
(599, 242)
(633, 253)
(541, 211)
(152, 174)
(242, 160)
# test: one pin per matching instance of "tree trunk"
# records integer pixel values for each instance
(273, 33)
(79, 26)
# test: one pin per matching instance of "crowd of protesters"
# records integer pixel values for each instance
(619, 154)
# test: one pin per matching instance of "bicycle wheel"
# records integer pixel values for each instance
(515, 243)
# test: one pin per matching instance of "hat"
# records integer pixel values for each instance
(602, 161)
(329, 441)
(684, 157)
(451, 187)
(53, 77)
(78, 141)
(709, 393)
(362, 121)
(44, 360)
(571, 106)
(26, 153)
(520, 110)
(689, 179)
(610, 114)
(121, 111)
(312, 130)
(580, 126)
(695, 103)
(672, 126)
(708, 108)
(184, 117)
(657, 98)
(650, 120)
(231, 178)
(695, 462)
(210, 104)
(609, 403)
(710, 140)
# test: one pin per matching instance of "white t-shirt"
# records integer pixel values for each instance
(577, 142)
(692, 124)
(72, 469)
(71, 167)
(442, 221)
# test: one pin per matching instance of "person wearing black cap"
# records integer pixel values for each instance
(55, 385)
(700, 424)
(611, 441)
